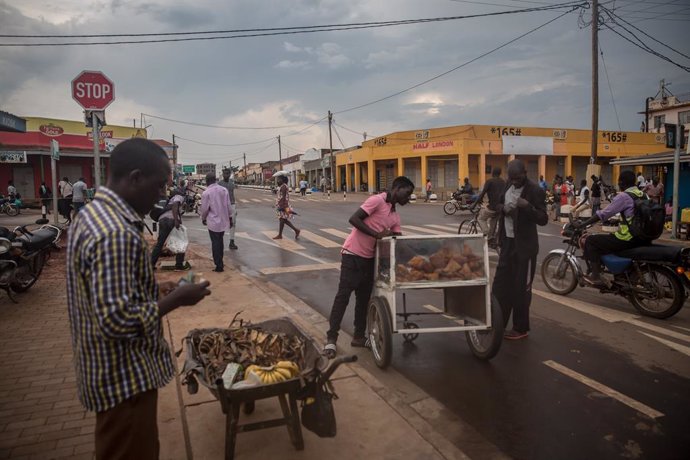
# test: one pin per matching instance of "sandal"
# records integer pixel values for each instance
(330, 350)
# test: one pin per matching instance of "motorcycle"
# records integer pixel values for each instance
(647, 276)
(23, 255)
(458, 202)
(192, 203)
(8, 207)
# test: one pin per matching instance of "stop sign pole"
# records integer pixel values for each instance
(94, 92)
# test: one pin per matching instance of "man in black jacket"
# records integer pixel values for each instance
(523, 209)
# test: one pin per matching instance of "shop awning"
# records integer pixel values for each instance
(653, 159)
(38, 140)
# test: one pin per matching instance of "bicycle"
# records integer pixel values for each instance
(470, 226)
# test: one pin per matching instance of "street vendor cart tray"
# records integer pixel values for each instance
(457, 266)
(258, 347)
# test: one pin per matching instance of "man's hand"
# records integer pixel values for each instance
(384, 233)
(522, 203)
(203, 222)
(190, 294)
(177, 224)
(165, 288)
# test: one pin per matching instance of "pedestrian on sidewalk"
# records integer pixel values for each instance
(45, 194)
(375, 219)
(216, 213)
(596, 193)
(11, 191)
(65, 201)
(303, 184)
(229, 183)
(523, 209)
(428, 190)
(285, 212)
(115, 305)
(78, 195)
(488, 215)
(172, 218)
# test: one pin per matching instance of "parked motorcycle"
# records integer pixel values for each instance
(23, 254)
(646, 276)
(456, 203)
(8, 207)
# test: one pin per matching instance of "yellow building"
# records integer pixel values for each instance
(448, 155)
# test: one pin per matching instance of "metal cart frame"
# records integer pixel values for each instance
(478, 311)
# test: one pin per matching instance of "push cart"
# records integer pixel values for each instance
(315, 371)
(456, 266)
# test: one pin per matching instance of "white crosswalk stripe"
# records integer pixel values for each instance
(447, 228)
(256, 200)
(335, 232)
(414, 228)
(284, 242)
(320, 240)
(243, 200)
(268, 199)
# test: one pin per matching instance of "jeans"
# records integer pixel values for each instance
(602, 244)
(356, 274)
(596, 204)
(513, 284)
(165, 226)
(217, 248)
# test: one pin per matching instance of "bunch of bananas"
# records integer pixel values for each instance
(280, 372)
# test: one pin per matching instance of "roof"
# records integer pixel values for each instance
(653, 159)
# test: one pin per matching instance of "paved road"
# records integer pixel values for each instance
(594, 380)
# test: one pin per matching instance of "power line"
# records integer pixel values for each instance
(647, 49)
(458, 67)
(225, 145)
(613, 99)
(242, 33)
(221, 127)
(338, 136)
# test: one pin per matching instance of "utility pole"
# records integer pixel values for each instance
(330, 142)
(96, 151)
(676, 175)
(280, 156)
(174, 151)
(595, 80)
(246, 176)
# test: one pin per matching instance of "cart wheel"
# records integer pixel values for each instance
(248, 407)
(410, 337)
(379, 331)
(485, 344)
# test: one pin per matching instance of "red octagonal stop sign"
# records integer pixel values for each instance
(93, 90)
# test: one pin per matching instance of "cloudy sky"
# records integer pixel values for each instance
(289, 82)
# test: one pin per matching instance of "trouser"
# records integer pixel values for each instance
(513, 284)
(556, 209)
(487, 220)
(231, 232)
(580, 208)
(596, 204)
(165, 226)
(217, 248)
(602, 244)
(77, 205)
(356, 274)
(303, 191)
(129, 430)
(428, 195)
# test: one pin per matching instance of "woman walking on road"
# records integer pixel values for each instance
(285, 212)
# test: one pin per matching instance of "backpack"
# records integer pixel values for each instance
(159, 210)
(648, 219)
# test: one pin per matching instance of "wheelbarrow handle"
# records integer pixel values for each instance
(335, 364)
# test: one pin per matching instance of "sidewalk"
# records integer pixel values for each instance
(379, 414)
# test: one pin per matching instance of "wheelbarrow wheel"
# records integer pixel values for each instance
(379, 331)
(410, 337)
(486, 343)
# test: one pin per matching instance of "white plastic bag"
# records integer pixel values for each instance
(177, 241)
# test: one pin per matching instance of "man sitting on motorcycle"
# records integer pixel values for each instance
(606, 243)
(465, 192)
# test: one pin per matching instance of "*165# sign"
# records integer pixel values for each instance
(93, 90)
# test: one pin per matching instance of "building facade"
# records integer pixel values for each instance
(448, 155)
(30, 152)
(205, 168)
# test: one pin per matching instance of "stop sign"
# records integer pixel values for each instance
(93, 90)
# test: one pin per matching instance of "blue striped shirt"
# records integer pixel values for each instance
(117, 336)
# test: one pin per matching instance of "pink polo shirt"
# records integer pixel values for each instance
(381, 217)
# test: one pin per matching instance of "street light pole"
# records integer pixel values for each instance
(280, 156)
(330, 142)
(595, 80)
(96, 151)
(676, 175)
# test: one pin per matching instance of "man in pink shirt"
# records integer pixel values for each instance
(215, 213)
(375, 219)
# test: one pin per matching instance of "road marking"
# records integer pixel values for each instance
(414, 228)
(246, 236)
(609, 315)
(299, 268)
(256, 200)
(320, 240)
(285, 243)
(447, 228)
(548, 234)
(335, 232)
(676, 346)
(243, 200)
(681, 328)
(608, 391)
(267, 199)
(443, 313)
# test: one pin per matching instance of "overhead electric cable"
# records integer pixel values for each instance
(242, 33)
(223, 127)
(647, 49)
(613, 99)
(338, 136)
(225, 145)
(458, 67)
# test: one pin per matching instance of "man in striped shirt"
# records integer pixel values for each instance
(121, 357)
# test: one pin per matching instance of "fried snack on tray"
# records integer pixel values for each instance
(451, 262)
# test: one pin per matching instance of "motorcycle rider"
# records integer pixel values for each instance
(465, 192)
(605, 243)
